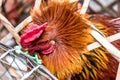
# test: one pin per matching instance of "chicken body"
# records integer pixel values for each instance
(62, 43)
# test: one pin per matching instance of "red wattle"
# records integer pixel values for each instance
(49, 50)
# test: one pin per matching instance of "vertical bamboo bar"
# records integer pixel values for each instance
(37, 4)
(0, 3)
(84, 7)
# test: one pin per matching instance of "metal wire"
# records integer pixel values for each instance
(19, 66)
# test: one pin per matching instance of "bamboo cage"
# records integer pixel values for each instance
(34, 71)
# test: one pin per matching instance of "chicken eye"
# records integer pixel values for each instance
(44, 42)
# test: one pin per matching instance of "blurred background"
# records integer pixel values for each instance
(107, 7)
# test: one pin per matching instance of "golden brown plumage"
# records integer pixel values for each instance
(70, 34)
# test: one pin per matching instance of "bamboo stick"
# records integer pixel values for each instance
(84, 7)
(17, 29)
(37, 4)
(10, 28)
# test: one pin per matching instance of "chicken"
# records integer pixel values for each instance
(60, 36)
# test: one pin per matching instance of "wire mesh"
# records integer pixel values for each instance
(20, 67)
(15, 66)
